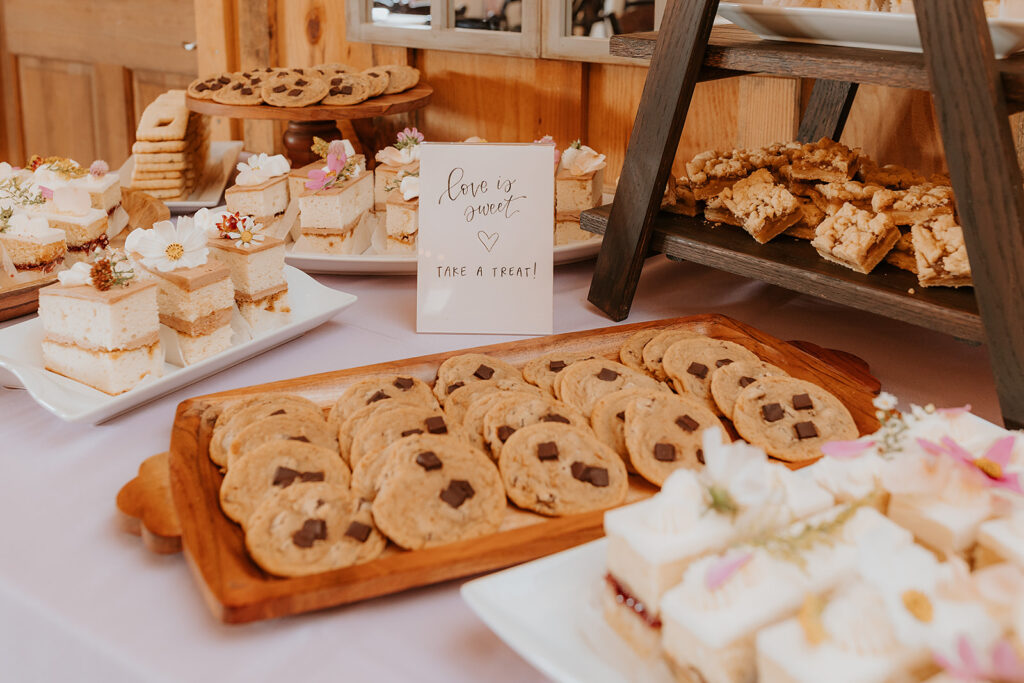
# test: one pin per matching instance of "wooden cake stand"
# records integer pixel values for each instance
(319, 120)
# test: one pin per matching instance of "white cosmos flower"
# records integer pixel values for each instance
(78, 274)
(579, 161)
(738, 468)
(168, 247)
(885, 401)
(260, 168)
(248, 234)
(206, 221)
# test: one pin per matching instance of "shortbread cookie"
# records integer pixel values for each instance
(584, 383)
(400, 78)
(438, 491)
(305, 530)
(542, 371)
(608, 419)
(512, 413)
(654, 351)
(729, 380)
(466, 368)
(379, 79)
(250, 410)
(275, 466)
(156, 175)
(473, 420)
(347, 88)
(664, 433)
(405, 388)
(458, 402)
(144, 159)
(154, 147)
(790, 418)
(159, 184)
(206, 88)
(166, 118)
(556, 469)
(304, 428)
(241, 90)
(143, 165)
(168, 195)
(690, 363)
(632, 352)
(294, 89)
(384, 428)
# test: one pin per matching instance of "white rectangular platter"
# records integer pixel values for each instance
(549, 612)
(21, 355)
(849, 28)
(220, 164)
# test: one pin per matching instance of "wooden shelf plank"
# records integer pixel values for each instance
(794, 264)
(733, 49)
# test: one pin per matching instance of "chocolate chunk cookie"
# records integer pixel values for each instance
(404, 388)
(282, 428)
(473, 420)
(294, 89)
(238, 415)
(276, 466)
(458, 401)
(206, 88)
(654, 350)
(379, 79)
(384, 428)
(582, 384)
(243, 89)
(608, 419)
(729, 380)
(790, 418)
(347, 88)
(556, 469)
(511, 413)
(303, 530)
(664, 433)
(542, 371)
(690, 363)
(632, 351)
(400, 78)
(467, 368)
(437, 491)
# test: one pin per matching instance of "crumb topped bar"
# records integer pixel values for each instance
(712, 172)
(917, 204)
(825, 161)
(855, 238)
(941, 253)
(765, 208)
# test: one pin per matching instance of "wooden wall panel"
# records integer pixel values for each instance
(60, 97)
(896, 127)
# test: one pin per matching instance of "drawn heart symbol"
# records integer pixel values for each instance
(488, 240)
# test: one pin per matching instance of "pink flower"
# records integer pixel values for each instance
(99, 168)
(337, 148)
(953, 412)
(723, 569)
(317, 180)
(410, 136)
(46, 192)
(320, 179)
(992, 464)
(1005, 666)
(336, 162)
(846, 449)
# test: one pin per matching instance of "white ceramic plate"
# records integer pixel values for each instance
(208, 192)
(848, 28)
(549, 612)
(406, 265)
(312, 304)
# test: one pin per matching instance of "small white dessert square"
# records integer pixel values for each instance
(947, 524)
(402, 223)
(257, 273)
(83, 233)
(338, 207)
(578, 192)
(383, 176)
(32, 245)
(267, 199)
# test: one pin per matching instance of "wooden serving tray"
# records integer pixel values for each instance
(239, 591)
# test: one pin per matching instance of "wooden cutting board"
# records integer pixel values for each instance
(238, 591)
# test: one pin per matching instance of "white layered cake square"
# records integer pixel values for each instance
(256, 265)
(104, 190)
(84, 227)
(331, 217)
(402, 157)
(33, 248)
(101, 326)
(261, 188)
(579, 180)
(402, 218)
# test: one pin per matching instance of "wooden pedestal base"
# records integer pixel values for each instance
(298, 139)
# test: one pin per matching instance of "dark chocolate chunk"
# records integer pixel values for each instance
(556, 365)
(224, 80)
(772, 412)
(598, 476)
(428, 460)
(358, 531)
(403, 383)
(547, 451)
(255, 81)
(301, 81)
(607, 375)
(700, 455)
(311, 476)
(216, 86)
(346, 90)
(337, 80)
(373, 73)
(621, 415)
(284, 477)
(554, 417)
(455, 385)
(664, 452)
(246, 91)
(457, 492)
(484, 372)
(746, 381)
(334, 91)
(687, 423)
(722, 362)
(280, 88)
(201, 87)
(698, 370)
(410, 432)
(312, 530)
(278, 412)
(294, 92)
(378, 396)
(505, 431)
(303, 439)
(802, 402)
(236, 86)
(436, 425)
(579, 470)
(805, 430)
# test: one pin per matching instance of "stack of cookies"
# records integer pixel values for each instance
(171, 148)
(395, 459)
(334, 84)
(855, 212)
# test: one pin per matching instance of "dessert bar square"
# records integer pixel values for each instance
(850, 191)
(856, 239)
(712, 172)
(919, 203)
(940, 253)
(825, 161)
(266, 199)
(765, 208)
(578, 192)
(902, 254)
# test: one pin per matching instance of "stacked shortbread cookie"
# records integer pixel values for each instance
(170, 149)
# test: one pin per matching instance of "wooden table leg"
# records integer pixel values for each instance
(973, 120)
(827, 110)
(298, 139)
(673, 74)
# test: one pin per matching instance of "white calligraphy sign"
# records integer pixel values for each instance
(485, 238)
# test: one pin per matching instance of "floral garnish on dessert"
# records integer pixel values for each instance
(168, 247)
(99, 168)
(548, 140)
(260, 168)
(5, 218)
(1002, 663)
(62, 166)
(406, 182)
(405, 151)
(340, 167)
(579, 160)
(245, 232)
(110, 270)
(14, 190)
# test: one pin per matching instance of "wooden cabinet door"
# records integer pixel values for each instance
(77, 75)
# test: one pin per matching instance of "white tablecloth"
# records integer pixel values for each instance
(82, 601)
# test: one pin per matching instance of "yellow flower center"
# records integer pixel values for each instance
(174, 251)
(245, 236)
(992, 469)
(918, 604)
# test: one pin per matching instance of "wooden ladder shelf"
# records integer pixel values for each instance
(974, 95)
